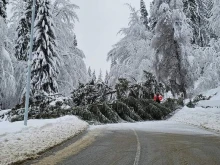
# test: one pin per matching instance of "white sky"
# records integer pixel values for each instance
(100, 21)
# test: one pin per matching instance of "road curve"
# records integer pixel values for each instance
(145, 145)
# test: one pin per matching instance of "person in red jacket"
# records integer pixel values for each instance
(158, 98)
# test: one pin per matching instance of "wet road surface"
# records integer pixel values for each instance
(157, 144)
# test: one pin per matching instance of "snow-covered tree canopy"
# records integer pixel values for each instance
(64, 17)
(144, 14)
(171, 44)
(132, 54)
(7, 80)
(215, 22)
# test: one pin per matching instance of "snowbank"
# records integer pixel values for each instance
(18, 142)
(215, 93)
(4, 111)
(208, 118)
(206, 114)
(209, 103)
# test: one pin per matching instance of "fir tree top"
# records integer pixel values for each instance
(144, 14)
(3, 4)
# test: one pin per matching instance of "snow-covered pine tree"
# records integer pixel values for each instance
(197, 13)
(7, 80)
(75, 43)
(23, 30)
(144, 14)
(28, 10)
(24, 27)
(207, 59)
(214, 20)
(154, 6)
(171, 45)
(89, 72)
(100, 76)
(45, 60)
(205, 7)
(94, 76)
(3, 4)
(191, 10)
(106, 77)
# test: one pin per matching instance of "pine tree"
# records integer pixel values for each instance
(28, 11)
(24, 30)
(94, 76)
(89, 72)
(21, 47)
(75, 41)
(205, 8)
(144, 14)
(215, 23)
(100, 76)
(44, 67)
(154, 8)
(198, 13)
(3, 4)
(191, 11)
(106, 77)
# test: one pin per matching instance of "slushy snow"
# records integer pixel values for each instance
(18, 142)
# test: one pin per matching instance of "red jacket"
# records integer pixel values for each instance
(160, 97)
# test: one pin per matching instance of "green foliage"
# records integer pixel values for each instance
(198, 98)
(151, 86)
(171, 104)
(92, 103)
(122, 88)
(180, 101)
(125, 112)
(90, 93)
(190, 104)
(108, 112)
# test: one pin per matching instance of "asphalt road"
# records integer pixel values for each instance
(133, 146)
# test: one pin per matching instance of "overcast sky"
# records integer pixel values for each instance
(100, 21)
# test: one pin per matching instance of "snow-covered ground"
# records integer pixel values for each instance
(18, 142)
(208, 118)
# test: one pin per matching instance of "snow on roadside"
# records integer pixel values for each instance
(18, 142)
(208, 103)
(206, 114)
(208, 118)
(215, 93)
(4, 111)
